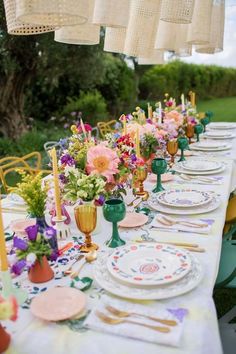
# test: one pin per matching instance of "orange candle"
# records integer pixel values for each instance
(3, 250)
(56, 183)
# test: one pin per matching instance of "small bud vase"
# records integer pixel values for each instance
(5, 339)
(41, 271)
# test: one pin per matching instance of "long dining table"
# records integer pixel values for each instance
(201, 333)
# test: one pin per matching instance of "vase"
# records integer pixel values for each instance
(41, 272)
(5, 339)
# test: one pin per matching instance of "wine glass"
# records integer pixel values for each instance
(159, 166)
(172, 148)
(114, 211)
(204, 122)
(183, 145)
(86, 221)
(198, 129)
(190, 132)
(140, 175)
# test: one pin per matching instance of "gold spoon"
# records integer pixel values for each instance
(89, 258)
(121, 314)
(113, 321)
(131, 203)
(69, 270)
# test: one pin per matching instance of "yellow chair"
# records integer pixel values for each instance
(11, 164)
(106, 127)
(230, 218)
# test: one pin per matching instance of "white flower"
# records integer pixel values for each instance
(30, 259)
(72, 170)
(12, 259)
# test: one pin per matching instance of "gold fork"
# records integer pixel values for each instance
(114, 321)
(121, 314)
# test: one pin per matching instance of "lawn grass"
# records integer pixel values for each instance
(224, 109)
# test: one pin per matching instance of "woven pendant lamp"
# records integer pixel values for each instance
(177, 11)
(142, 27)
(115, 39)
(199, 29)
(217, 30)
(166, 36)
(111, 13)
(157, 57)
(182, 48)
(52, 12)
(19, 28)
(87, 33)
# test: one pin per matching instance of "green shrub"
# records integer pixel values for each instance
(7, 147)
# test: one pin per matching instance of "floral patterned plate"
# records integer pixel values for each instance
(201, 165)
(166, 291)
(184, 198)
(148, 264)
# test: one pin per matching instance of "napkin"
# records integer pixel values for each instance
(179, 227)
(171, 338)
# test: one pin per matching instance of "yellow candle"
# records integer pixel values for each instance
(193, 99)
(56, 183)
(150, 114)
(137, 143)
(3, 250)
(83, 128)
(123, 119)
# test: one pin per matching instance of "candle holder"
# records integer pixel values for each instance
(159, 166)
(9, 290)
(140, 175)
(114, 211)
(190, 132)
(198, 129)
(172, 148)
(63, 230)
(183, 145)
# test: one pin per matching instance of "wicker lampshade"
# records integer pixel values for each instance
(86, 33)
(157, 57)
(199, 29)
(20, 28)
(182, 48)
(52, 12)
(217, 30)
(177, 11)
(111, 13)
(142, 27)
(166, 36)
(115, 39)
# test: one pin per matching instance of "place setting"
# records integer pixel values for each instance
(219, 134)
(210, 146)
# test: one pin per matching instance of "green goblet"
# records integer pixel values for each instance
(204, 122)
(198, 129)
(159, 166)
(183, 145)
(114, 211)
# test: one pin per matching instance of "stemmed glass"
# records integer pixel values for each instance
(172, 148)
(159, 166)
(183, 145)
(204, 122)
(114, 211)
(86, 221)
(140, 175)
(198, 129)
(190, 132)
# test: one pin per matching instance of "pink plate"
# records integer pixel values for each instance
(19, 226)
(133, 220)
(166, 177)
(58, 304)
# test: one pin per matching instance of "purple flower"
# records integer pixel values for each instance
(149, 121)
(20, 244)
(50, 233)
(63, 178)
(100, 201)
(32, 232)
(133, 158)
(54, 255)
(18, 267)
(67, 160)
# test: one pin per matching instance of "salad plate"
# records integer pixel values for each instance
(184, 198)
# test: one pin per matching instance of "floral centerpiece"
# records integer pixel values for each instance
(8, 311)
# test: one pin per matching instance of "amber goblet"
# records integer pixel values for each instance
(140, 175)
(86, 221)
(190, 132)
(172, 148)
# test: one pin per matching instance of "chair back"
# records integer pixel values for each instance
(227, 268)
(106, 127)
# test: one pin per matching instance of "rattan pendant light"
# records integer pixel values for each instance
(157, 57)
(19, 28)
(86, 33)
(216, 31)
(199, 29)
(115, 39)
(111, 13)
(177, 11)
(166, 36)
(52, 12)
(142, 27)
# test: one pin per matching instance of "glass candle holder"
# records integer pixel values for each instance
(86, 221)
(159, 166)
(114, 210)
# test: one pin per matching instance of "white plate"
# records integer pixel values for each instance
(182, 286)
(226, 125)
(201, 165)
(178, 168)
(16, 199)
(154, 204)
(212, 145)
(148, 264)
(218, 133)
(184, 198)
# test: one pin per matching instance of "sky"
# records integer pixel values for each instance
(228, 56)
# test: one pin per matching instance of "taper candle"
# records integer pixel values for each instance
(150, 113)
(160, 114)
(182, 102)
(123, 119)
(3, 250)
(83, 128)
(56, 183)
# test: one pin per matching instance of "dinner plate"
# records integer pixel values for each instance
(110, 284)
(184, 198)
(210, 146)
(178, 168)
(222, 125)
(57, 304)
(212, 205)
(148, 264)
(133, 220)
(219, 134)
(201, 165)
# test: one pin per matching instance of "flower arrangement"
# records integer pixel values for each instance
(26, 252)
(8, 309)
(32, 191)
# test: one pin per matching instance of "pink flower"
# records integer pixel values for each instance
(161, 133)
(175, 117)
(102, 161)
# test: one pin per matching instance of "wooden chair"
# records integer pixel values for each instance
(106, 127)
(30, 163)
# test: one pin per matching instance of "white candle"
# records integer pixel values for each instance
(160, 114)
(182, 102)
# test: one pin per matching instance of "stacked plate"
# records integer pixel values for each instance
(184, 202)
(147, 271)
(222, 125)
(219, 134)
(196, 166)
(211, 146)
